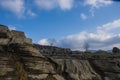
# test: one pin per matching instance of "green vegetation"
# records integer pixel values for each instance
(19, 69)
(20, 72)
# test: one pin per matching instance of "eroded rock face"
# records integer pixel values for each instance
(108, 69)
(9, 37)
(77, 69)
(7, 69)
(19, 37)
(36, 66)
(22, 60)
(17, 34)
(5, 35)
(4, 41)
(4, 32)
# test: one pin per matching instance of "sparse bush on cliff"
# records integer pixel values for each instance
(19, 69)
(116, 50)
(20, 72)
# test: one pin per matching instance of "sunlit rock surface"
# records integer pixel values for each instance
(20, 59)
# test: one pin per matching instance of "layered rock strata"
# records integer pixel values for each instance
(20, 59)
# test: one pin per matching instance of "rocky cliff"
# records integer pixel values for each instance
(20, 59)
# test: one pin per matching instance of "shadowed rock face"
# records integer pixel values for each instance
(22, 60)
(5, 35)
(108, 69)
(4, 32)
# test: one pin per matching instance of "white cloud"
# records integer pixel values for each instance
(48, 42)
(30, 13)
(44, 42)
(46, 4)
(12, 27)
(97, 4)
(51, 4)
(83, 16)
(15, 6)
(99, 39)
(109, 26)
(65, 4)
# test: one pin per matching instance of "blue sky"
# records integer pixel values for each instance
(70, 22)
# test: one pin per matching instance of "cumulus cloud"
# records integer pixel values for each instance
(100, 39)
(51, 4)
(44, 42)
(65, 4)
(83, 16)
(46, 4)
(15, 6)
(48, 42)
(23, 7)
(109, 26)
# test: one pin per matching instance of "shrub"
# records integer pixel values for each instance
(115, 50)
(20, 72)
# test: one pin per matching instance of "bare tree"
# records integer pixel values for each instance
(86, 46)
(52, 42)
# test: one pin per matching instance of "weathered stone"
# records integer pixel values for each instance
(21, 60)
(17, 40)
(26, 48)
(78, 69)
(3, 28)
(21, 40)
(7, 68)
(58, 77)
(4, 70)
(4, 32)
(4, 41)
(40, 77)
(28, 40)
(108, 68)
(19, 37)
(18, 34)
